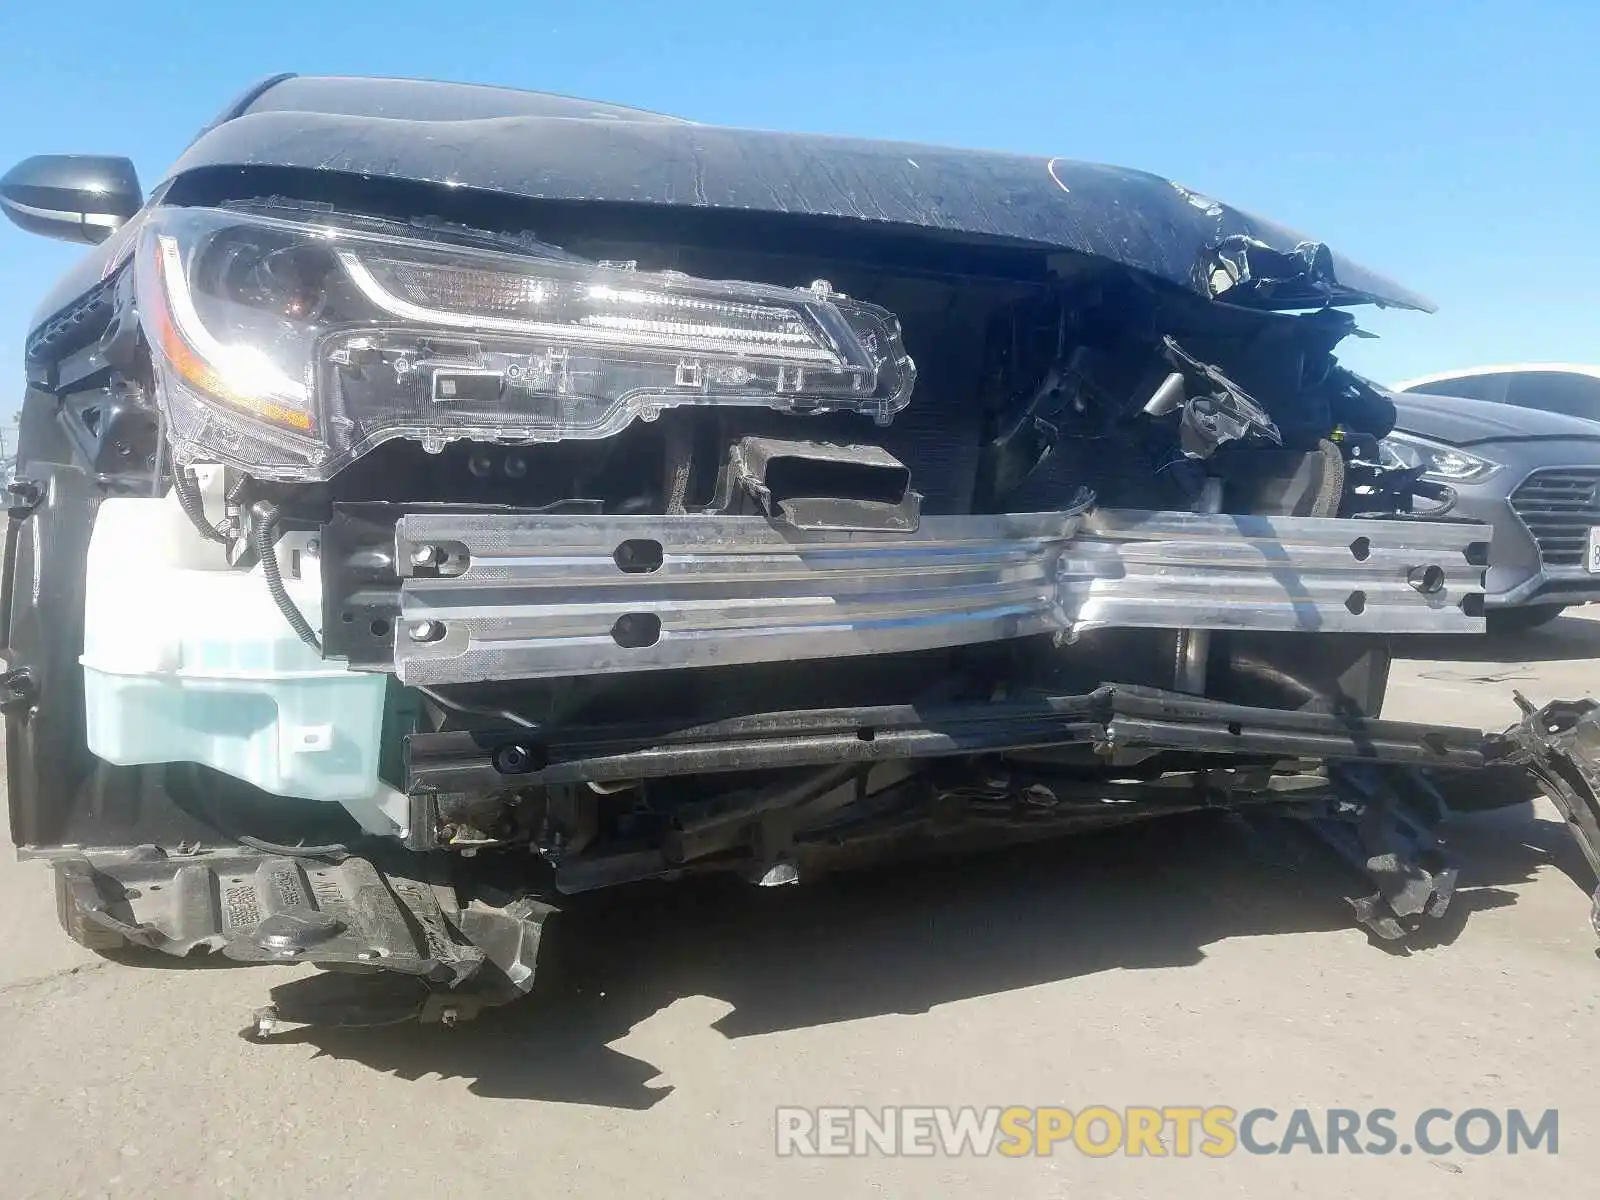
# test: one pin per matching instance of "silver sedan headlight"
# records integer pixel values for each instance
(1441, 463)
(289, 348)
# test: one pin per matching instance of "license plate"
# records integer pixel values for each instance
(1591, 560)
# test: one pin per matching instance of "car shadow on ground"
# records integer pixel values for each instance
(1562, 640)
(905, 939)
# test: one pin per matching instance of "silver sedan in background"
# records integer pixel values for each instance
(1517, 447)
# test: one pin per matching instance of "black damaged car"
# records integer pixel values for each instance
(434, 502)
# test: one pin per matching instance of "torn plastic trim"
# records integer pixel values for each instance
(1380, 827)
(548, 596)
(1559, 744)
(257, 907)
(1245, 270)
(349, 916)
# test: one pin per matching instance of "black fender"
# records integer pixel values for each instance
(59, 793)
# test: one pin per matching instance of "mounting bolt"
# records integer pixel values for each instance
(513, 760)
(1428, 580)
(424, 556)
(449, 1016)
(426, 631)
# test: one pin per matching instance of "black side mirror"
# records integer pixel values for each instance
(74, 197)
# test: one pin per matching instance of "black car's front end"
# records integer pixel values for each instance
(405, 541)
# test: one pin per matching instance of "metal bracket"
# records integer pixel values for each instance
(1559, 745)
(1112, 719)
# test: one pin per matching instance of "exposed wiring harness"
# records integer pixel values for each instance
(264, 526)
(187, 489)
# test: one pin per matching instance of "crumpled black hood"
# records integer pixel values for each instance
(552, 148)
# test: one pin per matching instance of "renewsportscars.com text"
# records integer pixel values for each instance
(1178, 1131)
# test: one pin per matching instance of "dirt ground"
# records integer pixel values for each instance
(1176, 965)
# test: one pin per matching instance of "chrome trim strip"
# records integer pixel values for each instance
(542, 596)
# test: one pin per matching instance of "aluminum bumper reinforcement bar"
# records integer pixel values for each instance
(474, 596)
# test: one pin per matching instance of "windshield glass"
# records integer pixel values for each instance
(1566, 392)
(1571, 393)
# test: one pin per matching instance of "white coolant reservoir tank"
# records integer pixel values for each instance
(186, 659)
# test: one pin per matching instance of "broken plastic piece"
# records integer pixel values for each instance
(1246, 270)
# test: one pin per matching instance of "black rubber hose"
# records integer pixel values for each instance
(188, 492)
(265, 525)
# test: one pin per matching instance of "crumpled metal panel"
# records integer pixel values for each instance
(543, 596)
(540, 148)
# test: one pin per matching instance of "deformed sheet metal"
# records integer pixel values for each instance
(552, 595)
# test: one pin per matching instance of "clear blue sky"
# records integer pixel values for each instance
(1451, 145)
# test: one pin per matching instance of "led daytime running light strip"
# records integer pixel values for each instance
(657, 338)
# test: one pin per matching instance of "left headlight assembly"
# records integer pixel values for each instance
(1441, 463)
(289, 348)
